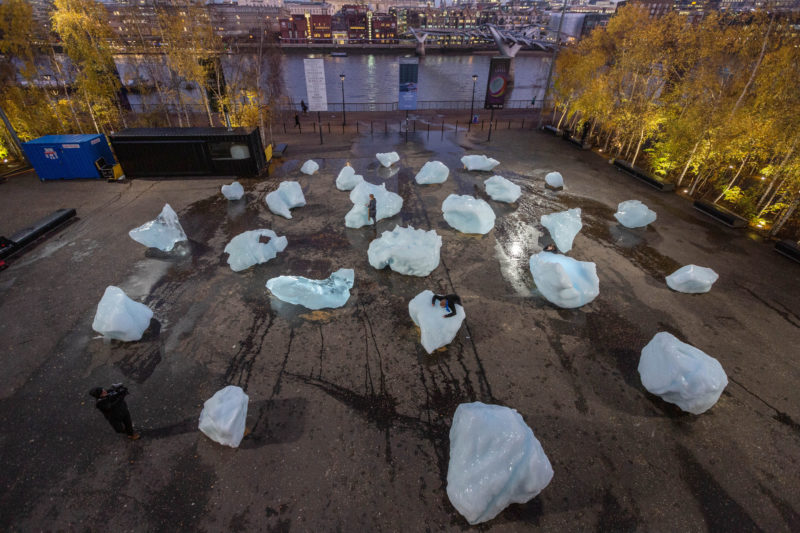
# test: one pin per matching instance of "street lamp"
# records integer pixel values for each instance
(472, 105)
(344, 113)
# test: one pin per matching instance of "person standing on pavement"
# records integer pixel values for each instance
(372, 209)
(112, 404)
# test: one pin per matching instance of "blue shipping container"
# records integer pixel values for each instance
(56, 157)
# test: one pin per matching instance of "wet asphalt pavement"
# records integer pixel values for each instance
(349, 417)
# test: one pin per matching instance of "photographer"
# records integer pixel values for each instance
(112, 404)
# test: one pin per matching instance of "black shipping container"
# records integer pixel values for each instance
(173, 152)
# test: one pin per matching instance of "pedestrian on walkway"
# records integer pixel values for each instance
(296, 120)
(112, 404)
(303, 106)
(448, 302)
(372, 209)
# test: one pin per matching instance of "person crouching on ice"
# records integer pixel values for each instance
(448, 302)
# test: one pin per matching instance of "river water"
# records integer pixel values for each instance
(373, 78)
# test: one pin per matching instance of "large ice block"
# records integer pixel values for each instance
(554, 180)
(409, 251)
(314, 293)
(479, 162)
(309, 167)
(224, 415)
(564, 281)
(348, 179)
(435, 330)
(681, 374)
(287, 196)
(495, 460)
(234, 191)
(634, 214)
(563, 227)
(388, 159)
(432, 172)
(387, 204)
(161, 233)
(118, 317)
(248, 249)
(502, 190)
(468, 214)
(692, 279)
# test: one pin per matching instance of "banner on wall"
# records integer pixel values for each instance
(409, 72)
(498, 83)
(315, 84)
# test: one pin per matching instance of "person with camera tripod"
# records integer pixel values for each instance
(112, 404)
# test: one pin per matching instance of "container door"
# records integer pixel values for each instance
(53, 168)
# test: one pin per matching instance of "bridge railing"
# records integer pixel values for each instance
(422, 105)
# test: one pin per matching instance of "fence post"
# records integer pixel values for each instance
(509, 125)
(284, 127)
(329, 127)
(371, 129)
(522, 127)
(429, 131)
(415, 125)
(315, 126)
(356, 126)
(385, 127)
(442, 128)
(482, 121)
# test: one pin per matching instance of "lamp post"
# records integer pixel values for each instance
(344, 113)
(472, 105)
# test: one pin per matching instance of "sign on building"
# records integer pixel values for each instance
(409, 72)
(315, 84)
(499, 83)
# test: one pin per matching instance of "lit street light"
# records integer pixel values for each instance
(472, 105)
(344, 113)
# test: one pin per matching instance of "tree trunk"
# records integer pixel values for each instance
(564, 114)
(688, 162)
(206, 104)
(638, 146)
(755, 68)
(771, 197)
(733, 180)
(91, 112)
(786, 215)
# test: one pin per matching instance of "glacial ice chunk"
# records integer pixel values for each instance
(479, 162)
(681, 374)
(162, 232)
(288, 195)
(634, 214)
(118, 317)
(692, 279)
(502, 190)
(234, 191)
(563, 227)
(387, 203)
(348, 179)
(468, 214)
(435, 330)
(495, 460)
(564, 281)
(554, 180)
(314, 293)
(409, 251)
(224, 415)
(309, 167)
(388, 159)
(432, 172)
(248, 249)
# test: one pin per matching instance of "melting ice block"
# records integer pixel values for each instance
(564, 281)
(495, 460)
(348, 179)
(432, 172)
(288, 195)
(435, 330)
(388, 159)
(309, 167)
(692, 279)
(234, 191)
(563, 227)
(502, 190)
(554, 180)
(468, 214)
(409, 251)
(118, 317)
(161, 233)
(479, 162)
(223, 416)
(248, 248)
(388, 204)
(634, 214)
(314, 293)
(681, 374)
